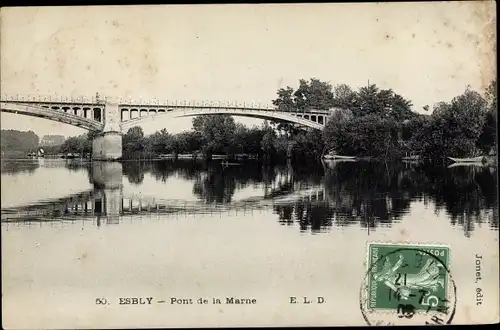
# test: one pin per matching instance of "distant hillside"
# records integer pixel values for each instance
(52, 140)
(13, 140)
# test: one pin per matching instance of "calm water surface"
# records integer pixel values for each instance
(186, 228)
(314, 199)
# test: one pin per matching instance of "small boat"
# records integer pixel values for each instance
(466, 164)
(332, 163)
(413, 157)
(226, 163)
(333, 156)
(186, 156)
(166, 156)
(338, 160)
(467, 160)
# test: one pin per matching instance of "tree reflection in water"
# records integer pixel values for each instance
(468, 194)
(13, 167)
(370, 194)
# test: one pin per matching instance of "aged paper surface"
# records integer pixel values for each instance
(107, 231)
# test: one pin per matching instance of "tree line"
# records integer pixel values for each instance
(15, 142)
(220, 134)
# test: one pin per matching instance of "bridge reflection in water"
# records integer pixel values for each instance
(106, 202)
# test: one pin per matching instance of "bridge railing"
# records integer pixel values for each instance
(49, 98)
(196, 104)
(145, 103)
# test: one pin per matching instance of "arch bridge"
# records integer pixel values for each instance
(112, 117)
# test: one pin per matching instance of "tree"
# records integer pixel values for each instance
(187, 142)
(71, 145)
(400, 108)
(240, 140)
(383, 102)
(307, 145)
(487, 139)
(491, 95)
(467, 111)
(370, 135)
(133, 140)
(367, 101)
(334, 130)
(343, 97)
(159, 141)
(441, 108)
(454, 129)
(267, 143)
(285, 101)
(316, 95)
(427, 138)
(81, 144)
(411, 127)
(217, 132)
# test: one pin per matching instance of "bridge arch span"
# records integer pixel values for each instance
(193, 112)
(52, 114)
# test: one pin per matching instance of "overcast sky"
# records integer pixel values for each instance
(428, 52)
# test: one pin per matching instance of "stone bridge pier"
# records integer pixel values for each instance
(107, 145)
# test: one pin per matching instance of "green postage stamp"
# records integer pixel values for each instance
(408, 284)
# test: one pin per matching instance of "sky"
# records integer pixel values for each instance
(427, 52)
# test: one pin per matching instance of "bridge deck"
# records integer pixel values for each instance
(130, 113)
(171, 105)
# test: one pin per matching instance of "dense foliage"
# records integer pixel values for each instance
(81, 144)
(379, 124)
(13, 140)
(219, 134)
(464, 127)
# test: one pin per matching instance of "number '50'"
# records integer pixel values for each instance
(101, 301)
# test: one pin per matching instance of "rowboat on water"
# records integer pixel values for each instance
(338, 160)
(467, 160)
(333, 156)
(412, 157)
(466, 164)
(332, 163)
(226, 163)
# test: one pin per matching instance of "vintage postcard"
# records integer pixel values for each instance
(249, 165)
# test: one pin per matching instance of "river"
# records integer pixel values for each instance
(76, 231)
